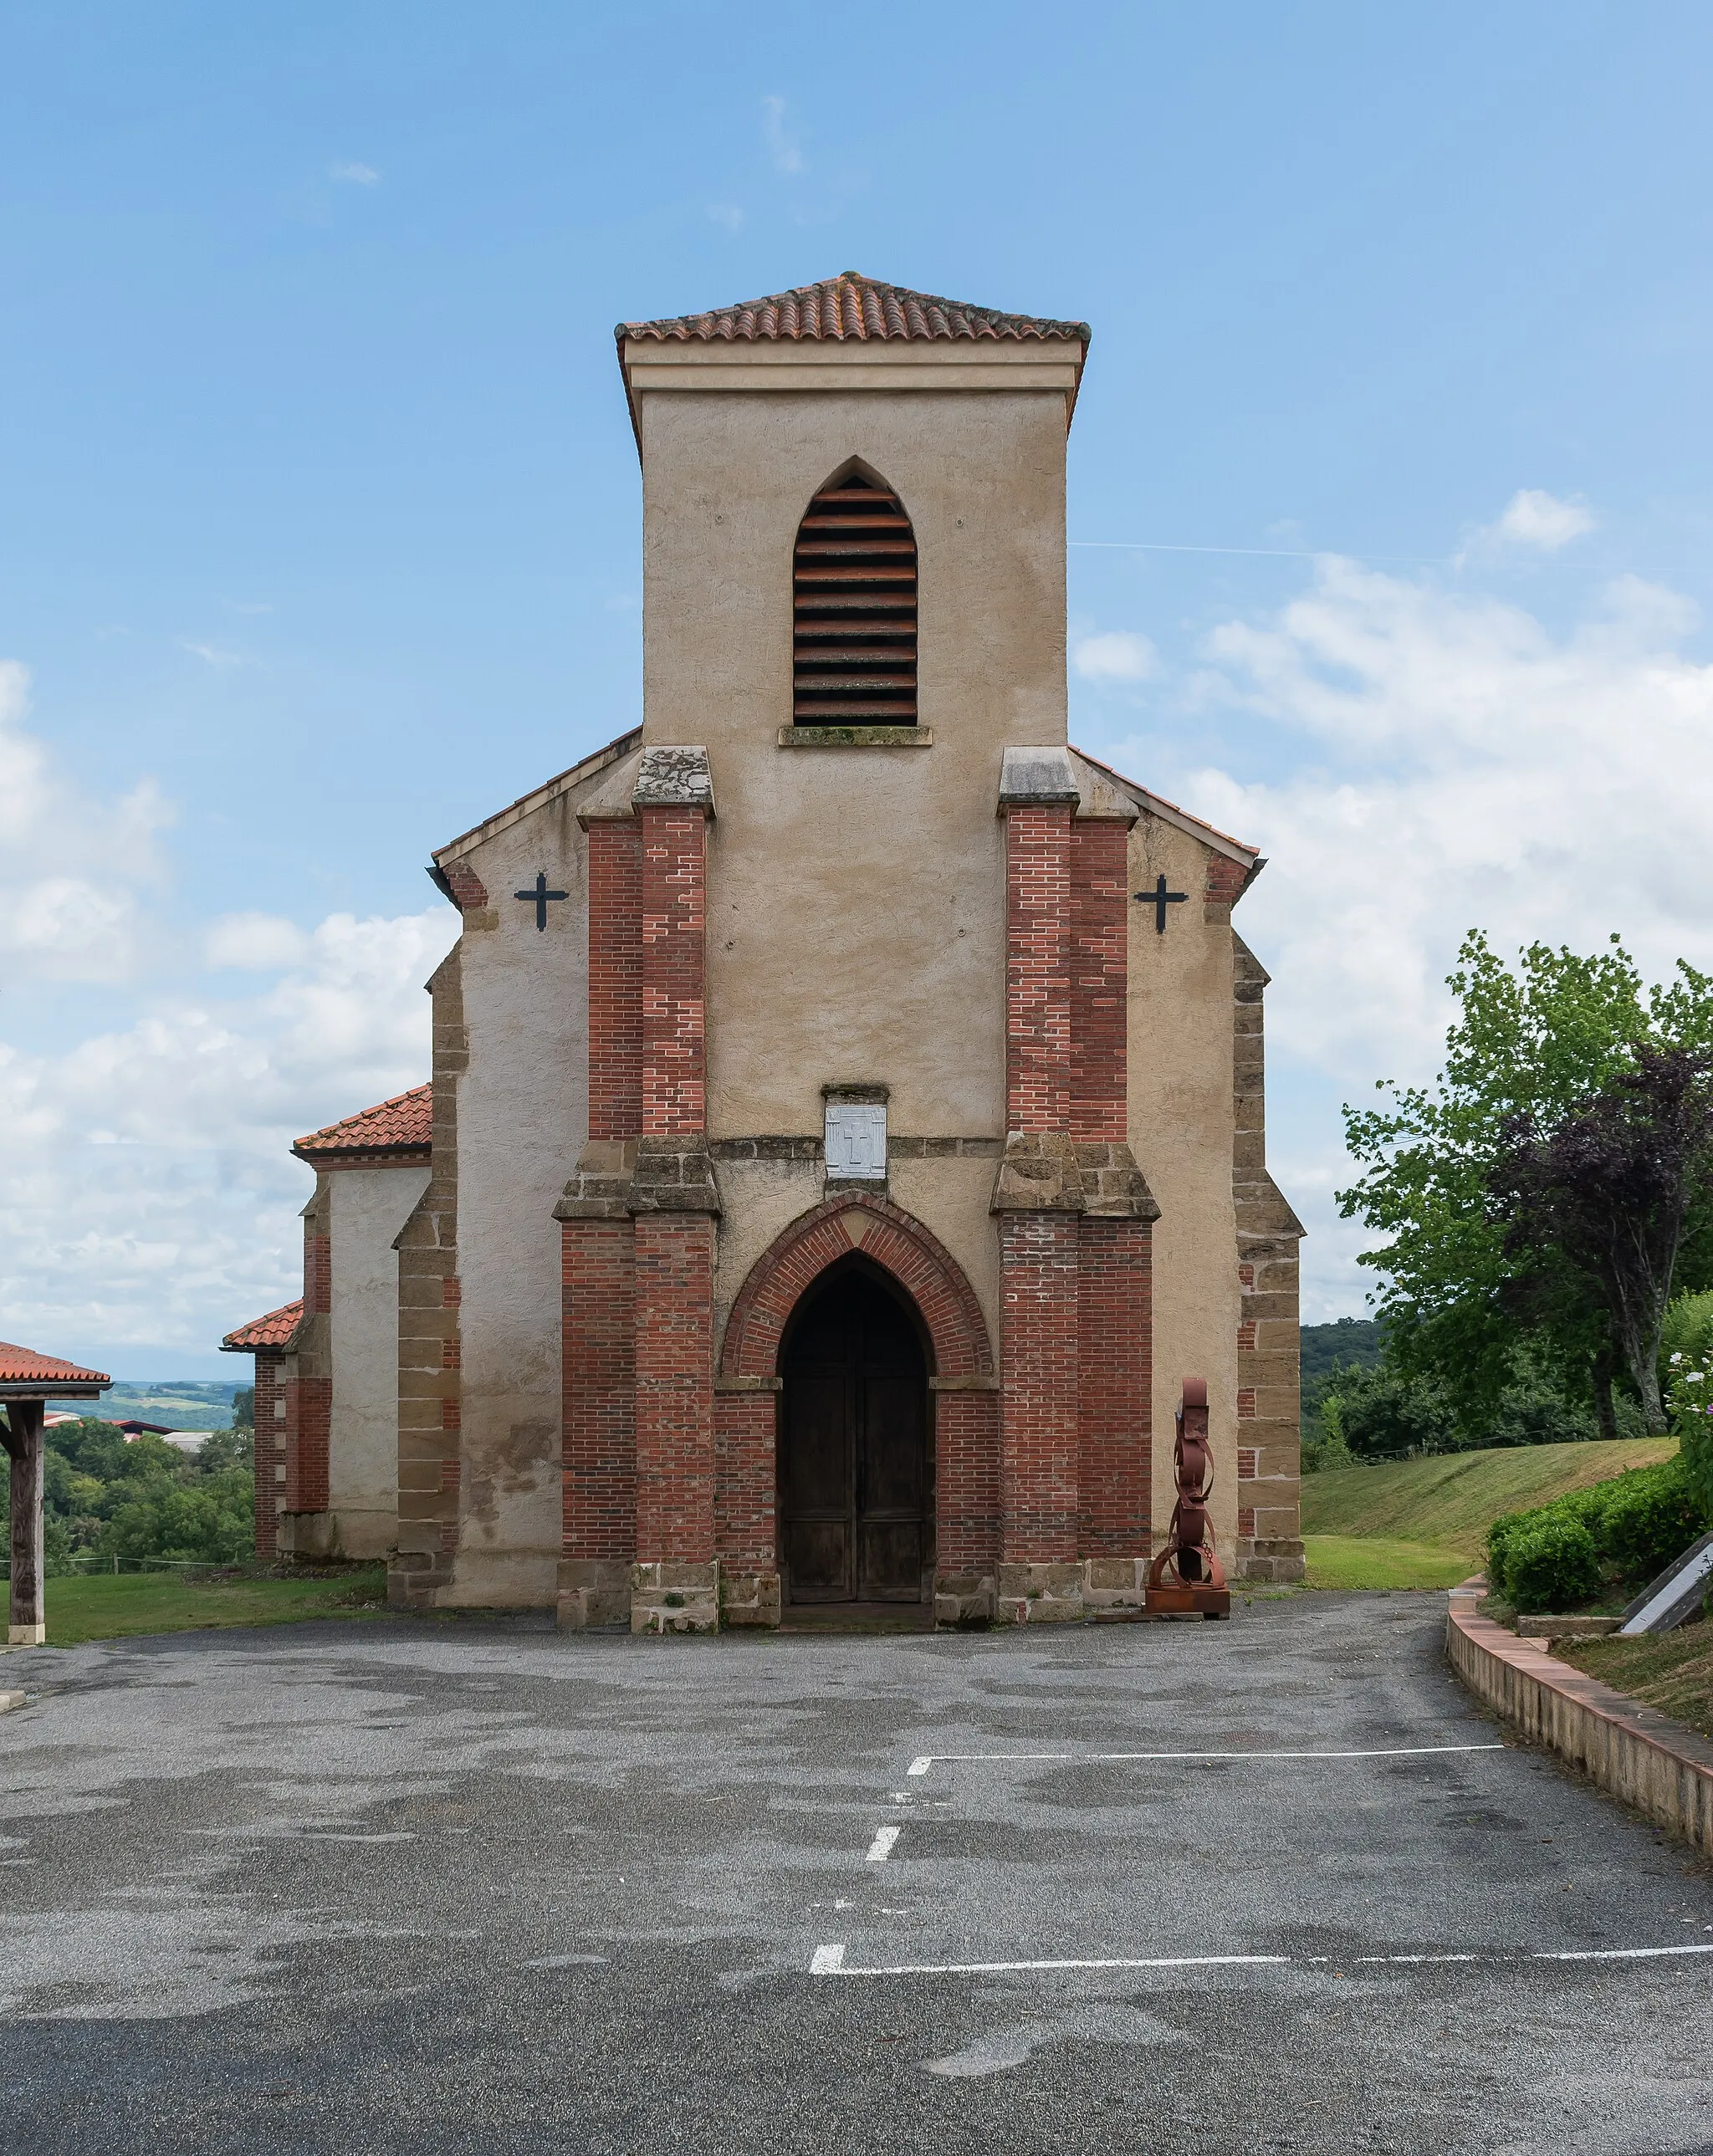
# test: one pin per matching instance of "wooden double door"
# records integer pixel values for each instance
(855, 1495)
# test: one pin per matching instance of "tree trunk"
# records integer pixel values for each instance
(30, 1616)
(1605, 1413)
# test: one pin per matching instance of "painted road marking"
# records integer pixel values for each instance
(1088, 1758)
(880, 1847)
(829, 1961)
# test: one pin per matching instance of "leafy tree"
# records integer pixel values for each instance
(1530, 1048)
(108, 1497)
(1604, 1194)
(244, 1408)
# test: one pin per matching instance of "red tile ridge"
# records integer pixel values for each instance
(853, 306)
(272, 1331)
(23, 1366)
(404, 1124)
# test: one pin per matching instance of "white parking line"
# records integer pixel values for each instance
(880, 1847)
(1085, 1759)
(829, 1961)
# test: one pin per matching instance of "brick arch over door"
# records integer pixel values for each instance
(966, 1397)
(917, 1260)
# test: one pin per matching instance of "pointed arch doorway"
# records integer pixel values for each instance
(855, 1468)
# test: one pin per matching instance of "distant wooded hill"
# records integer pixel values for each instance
(175, 1403)
(1351, 1340)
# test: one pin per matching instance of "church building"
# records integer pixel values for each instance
(844, 1134)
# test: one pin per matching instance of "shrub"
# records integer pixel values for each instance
(1644, 1520)
(1635, 1524)
(1549, 1561)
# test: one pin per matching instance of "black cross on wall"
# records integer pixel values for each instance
(539, 896)
(1159, 898)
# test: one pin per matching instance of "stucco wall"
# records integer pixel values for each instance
(855, 907)
(522, 1118)
(1181, 1132)
(366, 1209)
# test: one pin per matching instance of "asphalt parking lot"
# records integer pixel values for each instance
(469, 1886)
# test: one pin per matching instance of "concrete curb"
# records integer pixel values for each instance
(10, 1699)
(1643, 1757)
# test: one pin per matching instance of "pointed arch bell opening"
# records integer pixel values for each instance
(854, 596)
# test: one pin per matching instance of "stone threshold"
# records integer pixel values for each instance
(1643, 1758)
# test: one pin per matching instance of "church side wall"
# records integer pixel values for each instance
(522, 1118)
(1269, 1351)
(367, 1207)
(1181, 1092)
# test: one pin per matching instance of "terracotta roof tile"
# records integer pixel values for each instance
(272, 1331)
(403, 1124)
(23, 1366)
(850, 306)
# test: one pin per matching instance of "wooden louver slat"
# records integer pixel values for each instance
(854, 579)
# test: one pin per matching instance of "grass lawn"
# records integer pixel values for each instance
(1379, 1561)
(99, 1607)
(1451, 1501)
(1674, 1673)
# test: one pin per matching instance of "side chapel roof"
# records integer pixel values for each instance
(854, 306)
(401, 1126)
(23, 1366)
(272, 1331)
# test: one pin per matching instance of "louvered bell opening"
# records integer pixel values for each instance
(855, 579)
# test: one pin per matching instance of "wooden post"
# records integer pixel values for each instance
(24, 1441)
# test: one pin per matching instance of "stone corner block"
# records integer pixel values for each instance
(749, 1600)
(1038, 1172)
(666, 1598)
(599, 1187)
(672, 1175)
(594, 1593)
(674, 777)
(1037, 779)
(964, 1601)
(1042, 1593)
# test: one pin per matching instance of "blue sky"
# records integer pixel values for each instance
(319, 512)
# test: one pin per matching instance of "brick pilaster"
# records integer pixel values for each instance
(1099, 972)
(1116, 1376)
(268, 1449)
(615, 979)
(1040, 1394)
(1037, 966)
(672, 1197)
(674, 1362)
(600, 1391)
(674, 889)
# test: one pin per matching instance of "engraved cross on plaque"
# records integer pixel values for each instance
(539, 896)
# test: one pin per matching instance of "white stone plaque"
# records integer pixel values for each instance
(857, 1141)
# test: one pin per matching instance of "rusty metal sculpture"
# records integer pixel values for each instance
(1186, 1578)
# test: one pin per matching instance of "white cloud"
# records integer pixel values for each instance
(1116, 655)
(362, 175)
(210, 654)
(255, 943)
(1533, 518)
(785, 152)
(727, 215)
(1450, 763)
(149, 1195)
(57, 921)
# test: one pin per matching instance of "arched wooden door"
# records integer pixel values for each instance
(856, 1499)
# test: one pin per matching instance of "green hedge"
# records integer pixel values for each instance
(1606, 1542)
